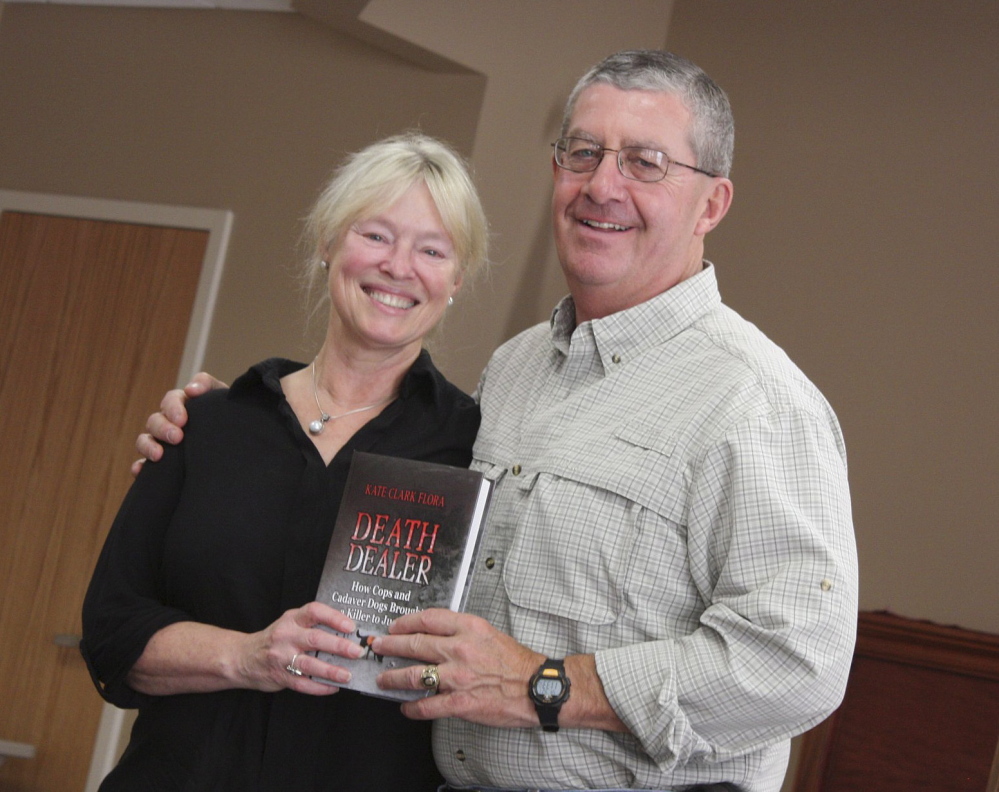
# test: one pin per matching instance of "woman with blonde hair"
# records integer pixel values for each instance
(200, 612)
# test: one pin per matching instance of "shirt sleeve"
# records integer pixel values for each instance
(124, 605)
(771, 551)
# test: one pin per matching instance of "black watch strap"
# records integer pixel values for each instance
(547, 716)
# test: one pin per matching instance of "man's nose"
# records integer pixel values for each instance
(606, 183)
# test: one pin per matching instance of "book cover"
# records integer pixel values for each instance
(405, 540)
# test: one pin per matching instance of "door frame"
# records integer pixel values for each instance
(218, 224)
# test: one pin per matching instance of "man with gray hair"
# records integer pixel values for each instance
(666, 590)
(668, 581)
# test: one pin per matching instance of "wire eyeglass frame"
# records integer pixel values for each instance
(628, 158)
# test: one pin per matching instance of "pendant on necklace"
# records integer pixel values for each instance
(317, 426)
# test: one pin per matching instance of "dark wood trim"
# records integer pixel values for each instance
(885, 636)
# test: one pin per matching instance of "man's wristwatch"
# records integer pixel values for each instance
(549, 690)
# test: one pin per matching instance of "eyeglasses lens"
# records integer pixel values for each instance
(634, 162)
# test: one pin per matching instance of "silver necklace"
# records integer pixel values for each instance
(316, 427)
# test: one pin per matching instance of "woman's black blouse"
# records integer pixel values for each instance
(231, 528)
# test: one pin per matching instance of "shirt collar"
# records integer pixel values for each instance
(423, 378)
(626, 334)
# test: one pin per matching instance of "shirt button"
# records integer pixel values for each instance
(459, 755)
(515, 470)
(616, 358)
(490, 563)
(826, 584)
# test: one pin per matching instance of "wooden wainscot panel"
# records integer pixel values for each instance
(921, 711)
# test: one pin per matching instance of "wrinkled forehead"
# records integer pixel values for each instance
(615, 117)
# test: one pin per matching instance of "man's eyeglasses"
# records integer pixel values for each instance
(634, 162)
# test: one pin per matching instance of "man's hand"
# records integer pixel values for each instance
(484, 673)
(165, 425)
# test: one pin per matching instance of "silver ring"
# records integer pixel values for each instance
(430, 678)
(291, 668)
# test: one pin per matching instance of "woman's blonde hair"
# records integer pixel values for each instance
(372, 179)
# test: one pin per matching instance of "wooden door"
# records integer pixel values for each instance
(93, 320)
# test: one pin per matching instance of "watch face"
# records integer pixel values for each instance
(549, 689)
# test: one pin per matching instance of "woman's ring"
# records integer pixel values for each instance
(291, 668)
(431, 678)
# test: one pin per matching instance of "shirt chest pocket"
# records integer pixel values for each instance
(582, 518)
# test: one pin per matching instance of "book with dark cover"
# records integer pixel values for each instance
(405, 540)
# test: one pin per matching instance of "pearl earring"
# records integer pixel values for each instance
(450, 300)
(324, 264)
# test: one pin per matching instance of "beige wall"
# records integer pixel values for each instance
(248, 111)
(863, 239)
(228, 110)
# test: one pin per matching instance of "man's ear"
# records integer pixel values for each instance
(715, 207)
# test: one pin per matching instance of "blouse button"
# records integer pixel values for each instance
(490, 563)
(826, 584)
(616, 358)
(515, 470)
(459, 755)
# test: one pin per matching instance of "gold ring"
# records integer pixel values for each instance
(431, 677)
